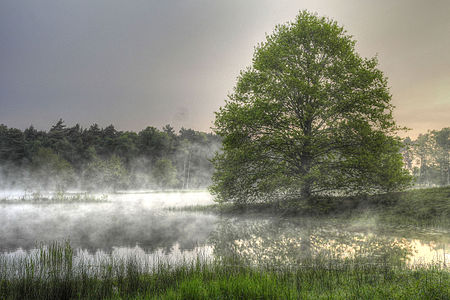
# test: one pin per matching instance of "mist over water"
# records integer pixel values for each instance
(142, 223)
(124, 220)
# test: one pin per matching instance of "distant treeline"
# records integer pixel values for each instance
(427, 157)
(97, 158)
(105, 158)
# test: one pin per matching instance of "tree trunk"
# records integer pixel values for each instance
(305, 191)
(306, 161)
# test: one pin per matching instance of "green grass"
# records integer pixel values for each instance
(51, 274)
(313, 284)
(418, 207)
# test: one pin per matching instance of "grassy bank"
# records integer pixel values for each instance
(418, 207)
(429, 206)
(51, 273)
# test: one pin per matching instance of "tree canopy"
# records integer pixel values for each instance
(309, 117)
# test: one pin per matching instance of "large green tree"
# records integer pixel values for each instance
(309, 117)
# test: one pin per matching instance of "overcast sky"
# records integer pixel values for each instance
(135, 63)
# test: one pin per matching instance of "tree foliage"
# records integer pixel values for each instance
(165, 173)
(109, 174)
(50, 170)
(310, 116)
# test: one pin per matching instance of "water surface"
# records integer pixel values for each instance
(140, 224)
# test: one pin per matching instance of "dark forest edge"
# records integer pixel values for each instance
(97, 158)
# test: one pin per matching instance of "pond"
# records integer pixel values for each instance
(146, 225)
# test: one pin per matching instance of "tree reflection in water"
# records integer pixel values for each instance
(284, 242)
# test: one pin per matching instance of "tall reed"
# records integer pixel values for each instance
(55, 271)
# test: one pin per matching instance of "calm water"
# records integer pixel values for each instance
(141, 224)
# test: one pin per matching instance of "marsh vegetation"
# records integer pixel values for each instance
(52, 272)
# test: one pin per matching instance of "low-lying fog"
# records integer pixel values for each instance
(152, 223)
(123, 219)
